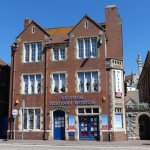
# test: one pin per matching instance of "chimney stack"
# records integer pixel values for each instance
(26, 22)
(113, 32)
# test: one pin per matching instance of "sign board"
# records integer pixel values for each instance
(23, 104)
(15, 112)
(117, 83)
(71, 133)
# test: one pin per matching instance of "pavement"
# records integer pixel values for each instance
(73, 145)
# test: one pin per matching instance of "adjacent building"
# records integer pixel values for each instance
(4, 97)
(144, 97)
(137, 110)
(67, 83)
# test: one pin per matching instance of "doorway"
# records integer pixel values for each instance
(59, 125)
(144, 127)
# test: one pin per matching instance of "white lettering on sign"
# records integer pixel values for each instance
(117, 83)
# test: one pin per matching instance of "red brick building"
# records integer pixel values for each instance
(71, 80)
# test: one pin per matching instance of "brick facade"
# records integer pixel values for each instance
(109, 51)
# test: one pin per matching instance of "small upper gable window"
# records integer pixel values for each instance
(33, 29)
(86, 24)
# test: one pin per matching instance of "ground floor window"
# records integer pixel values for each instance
(118, 118)
(32, 119)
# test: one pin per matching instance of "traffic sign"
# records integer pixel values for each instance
(15, 112)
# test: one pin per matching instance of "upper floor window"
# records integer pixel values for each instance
(59, 54)
(87, 81)
(32, 52)
(59, 83)
(31, 84)
(87, 47)
(32, 119)
(33, 29)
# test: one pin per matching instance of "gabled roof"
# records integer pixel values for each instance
(88, 18)
(131, 102)
(134, 95)
(35, 25)
(59, 30)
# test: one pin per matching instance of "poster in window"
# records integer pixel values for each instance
(71, 122)
(118, 121)
(104, 122)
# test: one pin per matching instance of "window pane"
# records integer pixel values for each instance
(95, 110)
(80, 82)
(38, 83)
(87, 48)
(25, 80)
(95, 81)
(33, 52)
(62, 84)
(80, 48)
(88, 110)
(32, 81)
(55, 83)
(94, 47)
(25, 119)
(31, 119)
(56, 54)
(81, 110)
(88, 81)
(62, 53)
(26, 52)
(39, 47)
(37, 118)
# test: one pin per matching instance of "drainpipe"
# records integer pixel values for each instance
(12, 88)
(45, 136)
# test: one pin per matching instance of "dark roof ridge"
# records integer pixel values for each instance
(59, 27)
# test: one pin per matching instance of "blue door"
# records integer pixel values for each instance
(59, 125)
(89, 127)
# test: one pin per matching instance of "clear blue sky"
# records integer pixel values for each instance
(135, 16)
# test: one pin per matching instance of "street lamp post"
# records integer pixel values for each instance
(23, 107)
